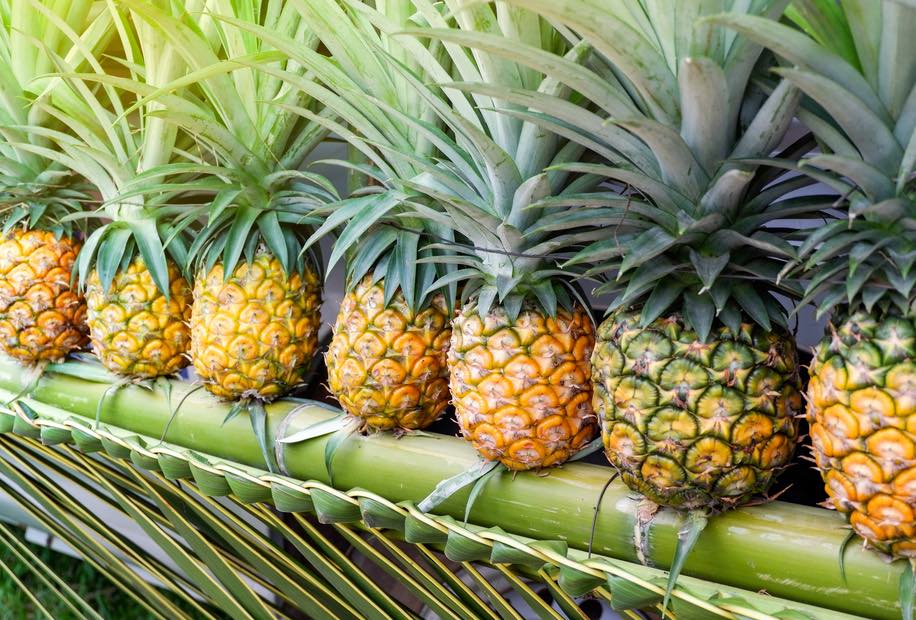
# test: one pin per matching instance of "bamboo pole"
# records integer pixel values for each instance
(788, 550)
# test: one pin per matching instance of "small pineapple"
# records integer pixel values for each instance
(131, 264)
(41, 317)
(136, 329)
(257, 296)
(859, 265)
(386, 363)
(255, 333)
(522, 386)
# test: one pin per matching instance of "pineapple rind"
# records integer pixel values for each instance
(690, 424)
(522, 389)
(135, 330)
(254, 334)
(862, 411)
(387, 365)
(41, 317)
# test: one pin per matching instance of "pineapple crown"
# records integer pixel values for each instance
(238, 101)
(144, 170)
(464, 171)
(856, 64)
(36, 191)
(45, 203)
(688, 217)
(392, 132)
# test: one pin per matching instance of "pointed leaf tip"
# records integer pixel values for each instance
(686, 539)
(448, 487)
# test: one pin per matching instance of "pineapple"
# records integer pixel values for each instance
(255, 332)
(386, 363)
(387, 358)
(137, 330)
(130, 266)
(696, 375)
(861, 400)
(859, 264)
(257, 296)
(693, 424)
(521, 339)
(521, 385)
(42, 317)
(138, 326)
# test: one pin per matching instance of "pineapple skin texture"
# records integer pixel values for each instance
(862, 410)
(135, 330)
(254, 333)
(41, 317)
(522, 389)
(692, 425)
(387, 366)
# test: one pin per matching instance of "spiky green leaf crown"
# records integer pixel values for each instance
(858, 70)
(145, 171)
(690, 221)
(464, 171)
(392, 134)
(257, 129)
(36, 191)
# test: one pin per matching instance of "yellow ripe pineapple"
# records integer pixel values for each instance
(386, 363)
(255, 333)
(132, 264)
(386, 360)
(862, 409)
(859, 266)
(41, 317)
(137, 330)
(255, 315)
(522, 387)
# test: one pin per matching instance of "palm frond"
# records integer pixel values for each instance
(214, 535)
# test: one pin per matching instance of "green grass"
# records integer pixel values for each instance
(91, 586)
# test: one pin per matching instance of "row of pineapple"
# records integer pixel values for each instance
(711, 166)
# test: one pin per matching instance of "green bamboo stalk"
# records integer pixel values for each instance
(787, 550)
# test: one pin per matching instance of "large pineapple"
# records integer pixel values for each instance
(693, 424)
(257, 296)
(696, 378)
(860, 263)
(386, 363)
